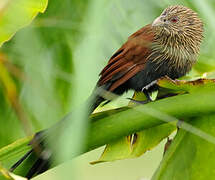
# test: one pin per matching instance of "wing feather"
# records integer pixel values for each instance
(129, 59)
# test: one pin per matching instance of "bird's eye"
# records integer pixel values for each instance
(174, 20)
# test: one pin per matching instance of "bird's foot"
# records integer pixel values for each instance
(147, 87)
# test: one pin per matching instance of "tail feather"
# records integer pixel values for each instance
(38, 152)
(41, 165)
(39, 149)
(21, 160)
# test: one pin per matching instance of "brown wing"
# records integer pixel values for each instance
(129, 59)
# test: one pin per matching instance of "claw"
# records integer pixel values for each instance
(147, 87)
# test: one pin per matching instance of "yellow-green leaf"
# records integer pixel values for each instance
(5, 174)
(16, 177)
(136, 144)
(190, 157)
(15, 14)
(179, 86)
(16, 148)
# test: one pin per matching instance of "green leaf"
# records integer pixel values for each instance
(16, 177)
(138, 143)
(125, 147)
(5, 174)
(14, 149)
(135, 145)
(182, 86)
(190, 157)
(15, 14)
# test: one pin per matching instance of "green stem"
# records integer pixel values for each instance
(128, 121)
(111, 125)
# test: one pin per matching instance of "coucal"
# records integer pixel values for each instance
(167, 47)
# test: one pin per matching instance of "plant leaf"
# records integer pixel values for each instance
(15, 14)
(15, 148)
(16, 177)
(179, 86)
(145, 140)
(190, 157)
(8, 175)
(4, 172)
(136, 144)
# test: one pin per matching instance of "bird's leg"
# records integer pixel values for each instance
(147, 94)
(146, 90)
(148, 86)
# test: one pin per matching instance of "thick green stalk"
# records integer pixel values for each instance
(145, 116)
(111, 125)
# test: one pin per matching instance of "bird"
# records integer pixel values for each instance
(169, 46)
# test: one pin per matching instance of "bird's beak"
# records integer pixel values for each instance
(158, 22)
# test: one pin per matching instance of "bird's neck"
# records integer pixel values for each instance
(181, 51)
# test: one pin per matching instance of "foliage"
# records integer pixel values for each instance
(189, 154)
(50, 67)
(27, 10)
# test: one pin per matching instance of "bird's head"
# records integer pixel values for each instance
(178, 35)
(179, 20)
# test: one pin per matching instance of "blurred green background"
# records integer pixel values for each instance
(55, 63)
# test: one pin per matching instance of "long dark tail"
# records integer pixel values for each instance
(42, 156)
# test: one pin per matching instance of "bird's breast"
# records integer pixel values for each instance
(155, 69)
